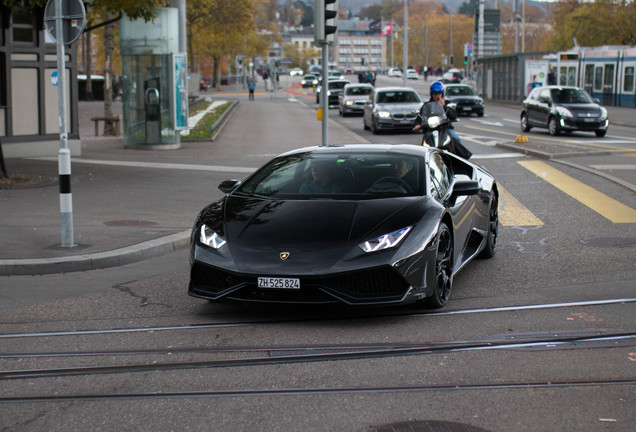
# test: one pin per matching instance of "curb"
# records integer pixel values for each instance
(218, 125)
(546, 155)
(99, 260)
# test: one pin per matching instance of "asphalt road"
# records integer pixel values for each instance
(539, 338)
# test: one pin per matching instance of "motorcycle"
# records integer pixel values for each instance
(435, 126)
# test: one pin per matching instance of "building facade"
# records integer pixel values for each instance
(29, 121)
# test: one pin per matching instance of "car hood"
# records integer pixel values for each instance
(399, 108)
(461, 98)
(317, 234)
(268, 223)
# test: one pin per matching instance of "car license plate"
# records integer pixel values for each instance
(467, 108)
(406, 121)
(278, 283)
(589, 120)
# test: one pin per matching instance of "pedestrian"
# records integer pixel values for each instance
(552, 76)
(251, 85)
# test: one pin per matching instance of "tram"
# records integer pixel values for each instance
(607, 73)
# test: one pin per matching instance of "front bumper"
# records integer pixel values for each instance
(395, 124)
(379, 285)
(583, 124)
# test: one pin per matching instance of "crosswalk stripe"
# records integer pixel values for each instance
(607, 207)
(513, 213)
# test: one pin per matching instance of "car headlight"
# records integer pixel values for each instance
(303, 82)
(603, 113)
(210, 238)
(349, 102)
(384, 114)
(385, 241)
(433, 122)
(328, 92)
(480, 101)
(564, 112)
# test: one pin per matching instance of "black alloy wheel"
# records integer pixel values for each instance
(493, 231)
(525, 127)
(553, 126)
(443, 268)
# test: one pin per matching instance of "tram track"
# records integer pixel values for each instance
(101, 362)
(277, 355)
(318, 391)
(314, 319)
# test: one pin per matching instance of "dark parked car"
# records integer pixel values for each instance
(563, 109)
(391, 108)
(334, 89)
(354, 224)
(353, 98)
(467, 101)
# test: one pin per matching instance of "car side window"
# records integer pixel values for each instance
(440, 176)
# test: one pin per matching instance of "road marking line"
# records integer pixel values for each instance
(157, 165)
(513, 213)
(614, 167)
(607, 207)
(556, 140)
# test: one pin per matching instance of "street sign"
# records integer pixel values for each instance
(73, 20)
(54, 78)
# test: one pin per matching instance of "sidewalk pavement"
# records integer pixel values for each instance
(120, 215)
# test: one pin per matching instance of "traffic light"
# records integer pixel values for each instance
(452, 60)
(325, 20)
(465, 60)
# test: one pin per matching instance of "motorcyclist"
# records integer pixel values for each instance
(437, 95)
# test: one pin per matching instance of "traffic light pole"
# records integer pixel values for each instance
(324, 101)
(64, 154)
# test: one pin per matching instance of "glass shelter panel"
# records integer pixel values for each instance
(147, 90)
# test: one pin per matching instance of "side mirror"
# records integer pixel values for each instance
(465, 187)
(452, 105)
(228, 186)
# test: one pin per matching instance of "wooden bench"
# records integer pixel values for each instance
(115, 120)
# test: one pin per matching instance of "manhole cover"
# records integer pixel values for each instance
(426, 426)
(610, 242)
(131, 223)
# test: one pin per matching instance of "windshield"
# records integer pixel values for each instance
(432, 108)
(397, 97)
(338, 84)
(460, 91)
(359, 91)
(571, 96)
(337, 176)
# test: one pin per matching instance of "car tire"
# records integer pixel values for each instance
(364, 122)
(553, 126)
(374, 128)
(480, 114)
(493, 230)
(600, 133)
(525, 127)
(443, 268)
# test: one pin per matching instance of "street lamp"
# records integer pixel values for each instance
(405, 40)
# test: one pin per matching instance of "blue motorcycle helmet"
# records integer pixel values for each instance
(437, 87)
